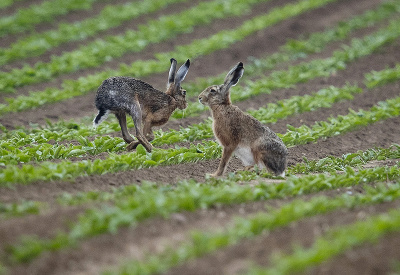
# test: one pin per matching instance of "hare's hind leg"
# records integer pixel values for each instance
(136, 114)
(147, 133)
(121, 116)
(272, 154)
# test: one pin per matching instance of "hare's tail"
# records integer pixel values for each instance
(101, 116)
(276, 164)
(274, 157)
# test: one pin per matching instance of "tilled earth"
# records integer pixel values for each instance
(91, 256)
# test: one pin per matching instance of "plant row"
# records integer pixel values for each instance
(83, 85)
(202, 243)
(19, 209)
(111, 16)
(66, 169)
(5, 4)
(187, 197)
(47, 11)
(335, 242)
(166, 27)
(13, 153)
(387, 75)
(328, 164)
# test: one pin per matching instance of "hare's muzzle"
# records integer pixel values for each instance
(201, 100)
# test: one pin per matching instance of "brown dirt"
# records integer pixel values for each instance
(91, 256)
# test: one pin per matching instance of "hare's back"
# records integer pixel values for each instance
(124, 84)
(118, 92)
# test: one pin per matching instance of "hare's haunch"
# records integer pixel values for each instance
(240, 133)
(126, 95)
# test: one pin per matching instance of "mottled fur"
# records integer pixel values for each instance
(240, 133)
(145, 104)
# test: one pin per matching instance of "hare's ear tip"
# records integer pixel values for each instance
(173, 60)
(240, 64)
(187, 62)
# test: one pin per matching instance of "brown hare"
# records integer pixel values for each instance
(121, 95)
(240, 133)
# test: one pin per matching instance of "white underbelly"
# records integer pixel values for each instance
(245, 155)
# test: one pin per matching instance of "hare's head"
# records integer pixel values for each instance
(219, 94)
(174, 88)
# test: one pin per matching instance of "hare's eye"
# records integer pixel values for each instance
(184, 92)
(213, 91)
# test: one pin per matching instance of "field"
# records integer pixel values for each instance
(323, 74)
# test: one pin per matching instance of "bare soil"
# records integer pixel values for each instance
(92, 255)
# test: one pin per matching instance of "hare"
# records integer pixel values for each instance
(240, 133)
(121, 95)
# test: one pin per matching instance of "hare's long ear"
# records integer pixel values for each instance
(232, 78)
(171, 75)
(181, 73)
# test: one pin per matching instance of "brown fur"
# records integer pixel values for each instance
(145, 104)
(241, 133)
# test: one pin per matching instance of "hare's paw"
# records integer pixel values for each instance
(148, 147)
(132, 145)
(213, 175)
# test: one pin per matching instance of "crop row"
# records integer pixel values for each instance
(387, 75)
(4, 4)
(335, 242)
(26, 19)
(114, 15)
(98, 52)
(83, 85)
(207, 150)
(19, 209)
(12, 153)
(201, 243)
(328, 164)
(189, 196)
(111, 16)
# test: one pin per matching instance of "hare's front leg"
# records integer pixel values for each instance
(226, 155)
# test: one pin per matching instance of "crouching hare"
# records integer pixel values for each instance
(240, 133)
(121, 95)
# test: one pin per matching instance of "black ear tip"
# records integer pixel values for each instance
(240, 65)
(187, 63)
(172, 60)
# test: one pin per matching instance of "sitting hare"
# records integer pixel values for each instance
(240, 133)
(120, 95)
